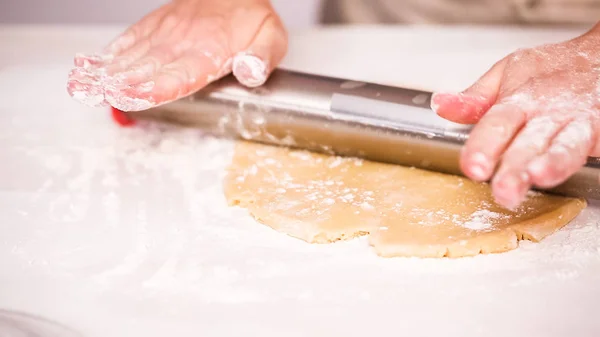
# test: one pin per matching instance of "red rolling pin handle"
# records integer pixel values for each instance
(121, 118)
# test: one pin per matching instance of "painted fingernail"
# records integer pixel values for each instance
(250, 70)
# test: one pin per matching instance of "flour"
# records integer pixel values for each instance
(249, 69)
(137, 216)
(481, 220)
(126, 103)
(217, 61)
(88, 99)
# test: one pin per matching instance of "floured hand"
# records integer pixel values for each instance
(177, 50)
(537, 113)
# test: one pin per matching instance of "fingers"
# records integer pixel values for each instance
(86, 81)
(167, 56)
(127, 58)
(124, 41)
(512, 181)
(595, 151)
(183, 76)
(131, 98)
(88, 61)
(88, 84)
(470, 105)
(567, 153)
(253, 66)
(86, 87)
(141, 67)
(137, 32)
(488, 140)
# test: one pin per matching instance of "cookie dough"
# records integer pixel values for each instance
(405, 211)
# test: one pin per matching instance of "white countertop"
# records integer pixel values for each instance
(125, 232)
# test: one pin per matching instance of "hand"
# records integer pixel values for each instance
(537, 113)
(177, 50)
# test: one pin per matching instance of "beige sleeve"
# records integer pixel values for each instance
(559, 12)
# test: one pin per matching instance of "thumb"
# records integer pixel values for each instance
(469, 106)
(253, 65)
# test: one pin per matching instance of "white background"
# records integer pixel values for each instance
(125, 232)
(297, 14)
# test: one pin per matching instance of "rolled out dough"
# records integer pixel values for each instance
(406, 211)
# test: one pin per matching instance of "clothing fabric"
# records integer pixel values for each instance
(538, 12)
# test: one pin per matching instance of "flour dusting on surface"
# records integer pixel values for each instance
(144, 245)
(481, 220)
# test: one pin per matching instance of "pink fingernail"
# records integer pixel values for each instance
(250, 70)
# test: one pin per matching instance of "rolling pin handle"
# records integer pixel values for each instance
(121, 118)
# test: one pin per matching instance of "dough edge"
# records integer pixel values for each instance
(533, 229)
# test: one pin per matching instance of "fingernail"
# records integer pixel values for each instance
(510, 190)
(87, 61)
(537, 167)
(547, 174)
(86, 94)
(250, 70)
(438, 97)
(145, 87)
(478, 172)
(480, 166)
(117, 80)
(225, 68)
(119, 43)
(434, 103)
(84, 76)
(126, 99)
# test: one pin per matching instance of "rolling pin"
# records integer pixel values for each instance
(339, 117)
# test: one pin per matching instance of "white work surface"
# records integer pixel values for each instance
(125, 232)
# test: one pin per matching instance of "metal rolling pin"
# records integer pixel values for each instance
(337, 116)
